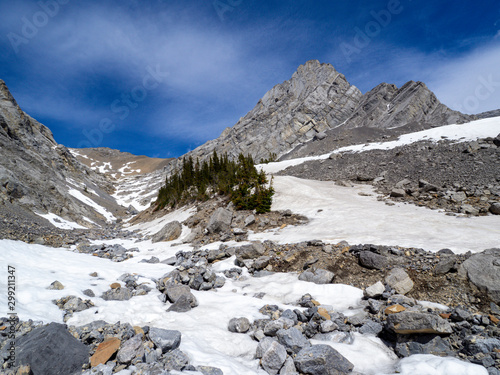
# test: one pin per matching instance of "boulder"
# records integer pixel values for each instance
(483, 270)
(252, 251)
(292, 340)
(132, 348)
(169, 232)
(274, 358)
(411, 322)
(51, 350)
(175, 360)
(56, 285)
(183, 304)
(399, 280)
(322, 360)
(372, 260)
(207, 370)
(317, 276)
(165, 339)
(220, 221)
(175, 291)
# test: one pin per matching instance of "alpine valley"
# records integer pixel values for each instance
(380, 254)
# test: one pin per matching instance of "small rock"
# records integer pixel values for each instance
(374, 290)
(399, 280)
(239, 325)
(56, 285)
(495, 209)
(165, 339)
(398, 193)
(131, 349)
(317, 276)
(105, 351)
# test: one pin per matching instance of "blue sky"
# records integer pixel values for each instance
(161, 77)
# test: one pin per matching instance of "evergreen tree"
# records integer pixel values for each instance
(240, 181)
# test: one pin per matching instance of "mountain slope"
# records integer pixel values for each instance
(38, 174)
(318, 98)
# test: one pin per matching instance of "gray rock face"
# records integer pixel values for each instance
(35, 170)
(165, 339)
(386, 106)
(410, 322)
(399, 280)
(483, 270)
(220, 221)
(317, 276)
(51, 350)
(322, 360)
(169, 232)
(315, 99)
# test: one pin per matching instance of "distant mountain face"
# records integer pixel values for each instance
(43, 176)
(318, 98)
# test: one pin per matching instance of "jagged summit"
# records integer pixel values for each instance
(318, 98)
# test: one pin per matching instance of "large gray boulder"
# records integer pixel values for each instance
(483, 270)
(412, 322)
(51, 350)
(322, 360)
(252, 251)
(220, 221)
(174, 292)
(169, 232)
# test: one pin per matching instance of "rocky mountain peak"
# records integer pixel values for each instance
(318, 98)
(315, 99)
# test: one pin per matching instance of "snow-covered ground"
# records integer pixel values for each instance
(205, 337)
(355, 215)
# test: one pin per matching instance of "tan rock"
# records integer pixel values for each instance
(394, 309)
(105, 351)
(322, 311)
(115, 286)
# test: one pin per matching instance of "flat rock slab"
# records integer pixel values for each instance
(410, 322)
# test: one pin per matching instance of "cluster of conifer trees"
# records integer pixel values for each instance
(239, 180)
